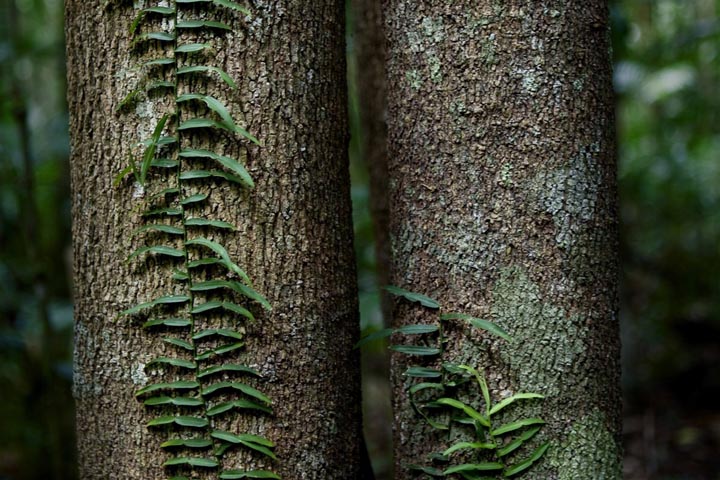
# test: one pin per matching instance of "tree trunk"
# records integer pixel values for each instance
(503, 200)
(293, 237)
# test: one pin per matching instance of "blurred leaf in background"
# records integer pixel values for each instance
(37, 428)
(667, 76)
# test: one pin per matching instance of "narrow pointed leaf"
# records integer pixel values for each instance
(179, 385)
(417, 329)
(474, 467)
(179, 401)
(204, 69)
(422, 372)
(171, 211)
(413, 297)
(220, 250)
(192, 47)
(227, 162)
(203, 222)
(478, 323)
(433, 472)
(228, 306)
(187, 442)
(515, 444)
(512, 399)
(159, 61)
(246, 389)
(425, 386)
(510, 427)
(203, 24)
(168, 322)
(231, 367)
(175, 362)
(160, 228)
(178, 342)
(522, 466)
(192, 462)
(149, 153)
(468, 410)
(158, 250)
(415, 350)
(194, 199)
(469, 445)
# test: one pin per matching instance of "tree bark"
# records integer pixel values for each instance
(503, 200)
(294, 238)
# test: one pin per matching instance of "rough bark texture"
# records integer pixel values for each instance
(294, 238)
(503, 200)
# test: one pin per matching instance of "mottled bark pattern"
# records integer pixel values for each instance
(503, 200)
(294, 238)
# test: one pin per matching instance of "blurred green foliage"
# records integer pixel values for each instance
(667, 79)
(37, 433)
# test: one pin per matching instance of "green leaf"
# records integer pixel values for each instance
(415, 350)
(478, 323)
(218, 331)
(515, 444)
(192, 462)
(425, 386)
(239, 474)
(199, 122)
(474, 467)
(204, 69)
(129, 99)
(422, 372)
(483, 386)
(232, 285)
(241, 404)
(213, 104)
(167, 322)
(227, 162)
(524, 465)
(178, 342)
(179, 385)
(189, 443)
(161, 10)
(195, 174)
(220, 350)
(469, 445)
(220, 250)
(157, 250)
(169, 299)
(192, 47)
(417, 329)
(199, 197)
(203, 222)
(512, 399)
(245, 437)
(384, 333)
(413, 297)
(175, 362)
(204, 261)
(234, 6)
(228, 306)
(203, 24)
(149, 153)
(171, 211)
(156, 84)
(160, 228)
(468, 410)
(178, 401)
(433, 472)
(231, 367)
(242, 387)
(159, 61)
(510, 427)
(183, 421)
(164, 163)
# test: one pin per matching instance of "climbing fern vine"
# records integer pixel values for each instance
(439, 393)
(204, 386)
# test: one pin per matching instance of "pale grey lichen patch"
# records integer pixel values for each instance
(137, 375)
(588, 451)
(435, 68)
(434, 29)
(570, 195)
(414, 78)
(546, 340)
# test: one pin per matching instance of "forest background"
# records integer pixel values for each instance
(667, 73)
